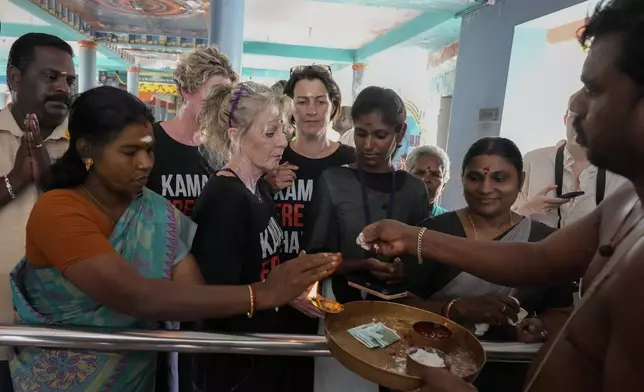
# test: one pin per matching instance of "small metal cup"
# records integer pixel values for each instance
(420, 337)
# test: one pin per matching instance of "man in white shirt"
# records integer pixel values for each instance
(557, 170)
(344, 126)
(40, 75)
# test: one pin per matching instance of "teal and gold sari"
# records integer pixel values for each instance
(153, 236)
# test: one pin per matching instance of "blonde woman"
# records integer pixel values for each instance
(239, 238)
(181, 170)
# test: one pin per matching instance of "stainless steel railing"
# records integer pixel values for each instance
(196, 342)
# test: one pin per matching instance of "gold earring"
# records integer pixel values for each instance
(89, 162)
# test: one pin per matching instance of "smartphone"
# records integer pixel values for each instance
(374, 286)
(571, 195)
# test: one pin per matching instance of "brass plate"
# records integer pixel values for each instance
(385, 366)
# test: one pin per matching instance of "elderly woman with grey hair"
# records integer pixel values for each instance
(430, 164)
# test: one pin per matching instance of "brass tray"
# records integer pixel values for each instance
(386, 366)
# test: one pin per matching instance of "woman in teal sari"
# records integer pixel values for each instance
(104, 251)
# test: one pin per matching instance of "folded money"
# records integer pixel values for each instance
(374, 335)
(385, 336)
(362, 335)
(367, 341)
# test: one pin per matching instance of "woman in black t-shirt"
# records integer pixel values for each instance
(317, 102)
(239, 239)
(354, 196)
(349, 198)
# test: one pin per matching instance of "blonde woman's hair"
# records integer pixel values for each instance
(237, 106)
(195, 68)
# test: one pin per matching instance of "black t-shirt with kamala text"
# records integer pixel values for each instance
(180, 171)
(238, 242)
(293, 204)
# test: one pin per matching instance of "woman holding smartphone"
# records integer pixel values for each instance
(349, 197)
(371, 189)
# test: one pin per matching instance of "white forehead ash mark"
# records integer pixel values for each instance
(146, 139)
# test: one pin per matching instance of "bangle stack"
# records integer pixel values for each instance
(251, 293)
(7, 183)
(419, 245)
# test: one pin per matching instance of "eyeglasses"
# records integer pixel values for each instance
(312, 67)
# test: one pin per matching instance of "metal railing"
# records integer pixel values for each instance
(197, 342)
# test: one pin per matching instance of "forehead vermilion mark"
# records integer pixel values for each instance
(486, 169)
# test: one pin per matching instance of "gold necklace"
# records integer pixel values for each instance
(476, 233)
(98, 203)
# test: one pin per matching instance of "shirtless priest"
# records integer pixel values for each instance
(601, 347)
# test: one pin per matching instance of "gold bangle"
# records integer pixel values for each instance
(448, 307)
(419, 245)
(251, 293)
